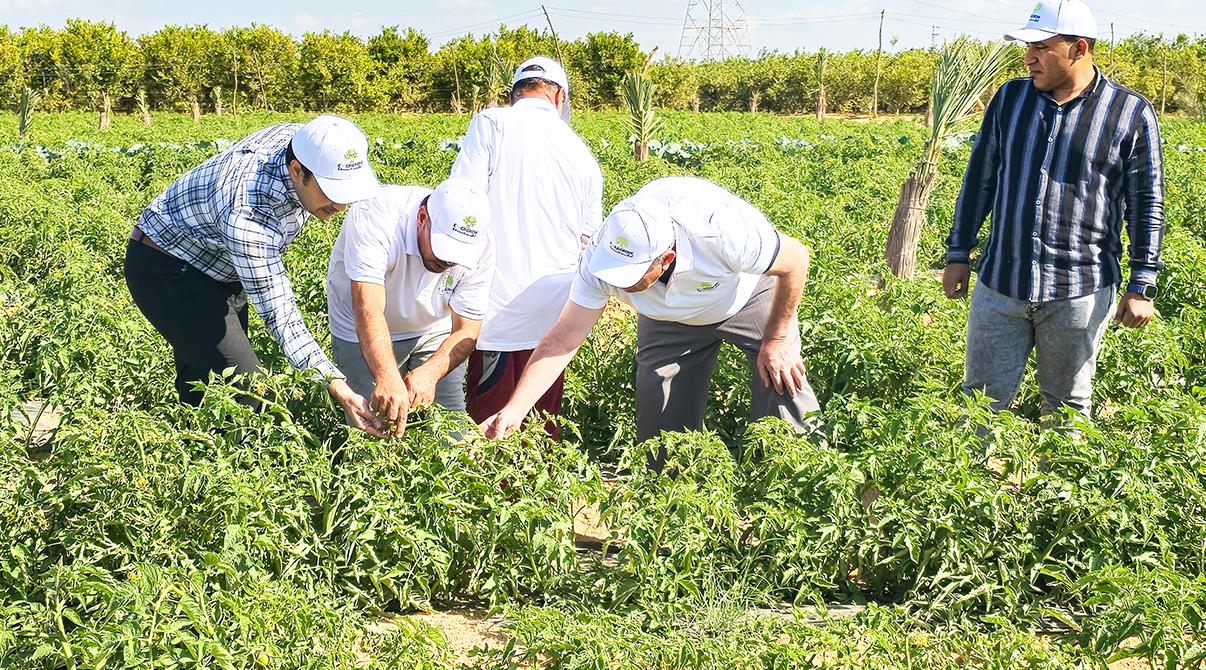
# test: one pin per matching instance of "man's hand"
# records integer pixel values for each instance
(356, 408)
(421, 385)
(391, 402)
(1134, 311)
(501, 424)
(780, 364)
(955, 279)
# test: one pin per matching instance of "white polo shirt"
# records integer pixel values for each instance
(379, 244)
(546, 192)
(723, 246)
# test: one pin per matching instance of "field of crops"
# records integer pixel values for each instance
(143, 534)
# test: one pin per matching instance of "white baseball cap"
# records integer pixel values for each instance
(543, 67)
(460, 222)
(1057, 17)
(635, 234)
(335, 150)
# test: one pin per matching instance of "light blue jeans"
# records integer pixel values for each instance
(410, 354)
(1064, 334)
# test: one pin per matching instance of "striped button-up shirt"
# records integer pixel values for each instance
(1058, 180)
(232, 218)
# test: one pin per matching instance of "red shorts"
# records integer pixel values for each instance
(492, 378)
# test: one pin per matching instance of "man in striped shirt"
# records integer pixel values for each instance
(214, 241)
(1062, 158)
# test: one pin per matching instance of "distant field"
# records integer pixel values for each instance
(214, 538)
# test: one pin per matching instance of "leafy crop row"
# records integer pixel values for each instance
(216, 538)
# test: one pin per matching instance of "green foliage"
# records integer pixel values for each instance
(25, 111)
(183, 63)
(399, 70)
(336, 73)
(643, 122)
(404, 67)
(95, 60)
(722, 635)
(145, 529)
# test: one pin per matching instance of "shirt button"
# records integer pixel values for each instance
(1038, 202)
(1051, 139)
(1035, 234)
(1059, 109)
(1042, 170)
(1034, 262)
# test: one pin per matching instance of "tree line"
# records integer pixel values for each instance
(96, 66)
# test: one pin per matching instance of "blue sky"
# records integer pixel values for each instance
(782, 25)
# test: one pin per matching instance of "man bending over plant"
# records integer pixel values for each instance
(405, 263)
(1062, 156)
(214, 241)
(700, 266)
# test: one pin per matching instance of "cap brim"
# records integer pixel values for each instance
(620, 275)
(1029, 35)
(452, 251)
(363, 186)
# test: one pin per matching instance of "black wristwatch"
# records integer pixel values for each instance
(1146, 290)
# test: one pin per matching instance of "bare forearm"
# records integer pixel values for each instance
(791, 270)
(378, 351)
(368, 303)
(452, 352)
(548, 361)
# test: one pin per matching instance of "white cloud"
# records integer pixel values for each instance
(307, 23)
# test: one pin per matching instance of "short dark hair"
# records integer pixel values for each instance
(290, 157)
(533, 84)
(1091, 41)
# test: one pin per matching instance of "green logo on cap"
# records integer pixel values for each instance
(448, 281)
(707, 286)
(1036, 9)
(622, 242)
(350, 155)
(470, 221)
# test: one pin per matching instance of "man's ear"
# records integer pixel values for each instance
(1080, 48)
(668, 259)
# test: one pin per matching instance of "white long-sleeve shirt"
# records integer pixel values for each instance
(546, 193)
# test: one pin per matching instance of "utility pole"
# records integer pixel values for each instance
(933, 38)
(879, 60)
(1110, 67)
(556, 42)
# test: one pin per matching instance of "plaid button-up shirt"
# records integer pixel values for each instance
(1058, 180)
(232, 218)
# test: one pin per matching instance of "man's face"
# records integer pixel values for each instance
(655, 271)
(430, 262)
(310, 195)
(1051, 61)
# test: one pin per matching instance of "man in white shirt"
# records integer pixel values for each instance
(546, 193)
(407, 289)
(700, 266)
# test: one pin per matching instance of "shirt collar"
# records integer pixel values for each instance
(684, 256)
(535, 103)
(1099, 82)
(277, 168)
(410, 230)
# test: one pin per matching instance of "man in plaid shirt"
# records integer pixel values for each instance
(214, 241)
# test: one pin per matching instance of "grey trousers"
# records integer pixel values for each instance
(410, 354)
(1064, 334)
(675, 364)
